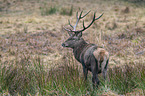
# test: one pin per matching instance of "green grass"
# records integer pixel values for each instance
(67, 11)
(30, 76)
(48, 10)
(127, 78)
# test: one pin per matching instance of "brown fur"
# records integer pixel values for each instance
(101, 55)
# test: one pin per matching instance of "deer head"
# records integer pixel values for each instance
(76, 35)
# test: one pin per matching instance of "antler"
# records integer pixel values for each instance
(80, 17)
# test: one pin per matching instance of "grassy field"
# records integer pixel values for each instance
(33, 62)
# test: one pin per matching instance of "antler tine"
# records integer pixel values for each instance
(70, 24)
(78, 18)
(99, 16)
(77, 15)
(84, 28)
(83, 24)
(85, 14)
(67, 29)
(80, 15)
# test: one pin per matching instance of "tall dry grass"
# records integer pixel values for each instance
(28, 75)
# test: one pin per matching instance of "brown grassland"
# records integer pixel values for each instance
(33, 31)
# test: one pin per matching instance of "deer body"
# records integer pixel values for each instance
(92, 57)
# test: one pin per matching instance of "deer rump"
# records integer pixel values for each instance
(99, 55)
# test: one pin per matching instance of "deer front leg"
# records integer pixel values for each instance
(85, 71)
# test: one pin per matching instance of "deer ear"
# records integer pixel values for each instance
(79, 35)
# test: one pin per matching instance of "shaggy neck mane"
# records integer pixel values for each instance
(78, 49)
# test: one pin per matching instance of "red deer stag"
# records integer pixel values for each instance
(92, 57)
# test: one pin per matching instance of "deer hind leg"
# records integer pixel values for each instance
(104, 68)
(95, 81)
(85, 71)
(94, 69)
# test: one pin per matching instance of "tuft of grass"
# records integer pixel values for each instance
(48, 11)
(111, 25)
(66, 11)
(17, 77)
(25, 29)
(127, 78)
(126, 10)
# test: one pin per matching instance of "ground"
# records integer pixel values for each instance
(35, 28)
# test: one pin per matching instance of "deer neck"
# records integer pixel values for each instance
(78, 49)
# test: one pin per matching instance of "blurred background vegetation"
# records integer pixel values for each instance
(32, 61)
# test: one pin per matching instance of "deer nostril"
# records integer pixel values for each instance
(63, 44)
